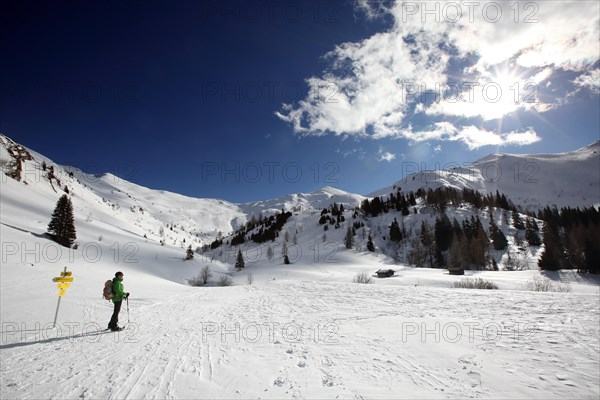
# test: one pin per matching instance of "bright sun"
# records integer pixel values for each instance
(498, 95)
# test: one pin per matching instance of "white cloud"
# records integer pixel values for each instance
(522, 138)
(364, 89)
(372, 87)
(471, 136)
(437, 149)
(494, 96)
(385, 155)
(358, 152)
(475, 137)
(591, 80)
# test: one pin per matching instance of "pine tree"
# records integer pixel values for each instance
(479, 245)
(189, 253)
(395, 233)
(349, 239)
(443, 233)
(455, 258)
(427, 241)
(404, 207)
(239, 262)
(370, 245)
(531, 234)
(62, 225)
(592, 257)
(411, 199)
(365, 206)
(284, 253)
(552, 257)
(416, 255)
(456, 230)
(498, 238)
(517, 221)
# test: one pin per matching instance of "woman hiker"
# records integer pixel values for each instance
(120, 294)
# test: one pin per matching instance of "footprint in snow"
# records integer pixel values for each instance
(280, 381)
(562, 377)
(474, 378)
(327, 381)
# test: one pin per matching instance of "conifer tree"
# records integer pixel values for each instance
(370, 245)
(62, 223)
(239, 262)
(416, 255)
(284, 253)
(455, 257)
(456, 229)
(349, 239)
(411, 199)
(427, 241)
(498, 238)
(517, 221)
(531, 234)
(443, 233)
(552, 257)
(189, 253)
(592, 256)
(395, 233)
(404, 206)
(479, 245)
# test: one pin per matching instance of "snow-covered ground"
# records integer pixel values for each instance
(302, 339)
(301, 330)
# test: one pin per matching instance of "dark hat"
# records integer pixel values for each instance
(118, 273)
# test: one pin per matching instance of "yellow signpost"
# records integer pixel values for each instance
(64, 281)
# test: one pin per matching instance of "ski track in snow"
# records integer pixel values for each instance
(359, 355)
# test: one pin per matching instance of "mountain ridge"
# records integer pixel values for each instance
(531, 181)
(186, 220)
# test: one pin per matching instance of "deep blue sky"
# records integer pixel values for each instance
(167, 94)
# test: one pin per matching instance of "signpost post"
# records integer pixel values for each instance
(64, 281)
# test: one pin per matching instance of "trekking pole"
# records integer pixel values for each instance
(127, 309)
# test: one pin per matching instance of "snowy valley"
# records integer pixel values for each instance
(303, 329)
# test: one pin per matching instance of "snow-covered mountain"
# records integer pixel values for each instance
(300, 331)
(531, 181)
(304, 201)
(106, 205)
(153, 214)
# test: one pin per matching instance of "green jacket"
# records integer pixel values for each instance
(118, 290)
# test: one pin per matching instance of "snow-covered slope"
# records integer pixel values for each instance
(304, 201)
(529, 180)
(286, 339)
(159, 215)
(299, 331)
